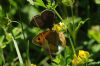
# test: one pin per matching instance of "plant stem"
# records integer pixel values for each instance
(22, 30)
(74, 38)
(73, 29)
(17, 50)
(27, 51)
(72, 45)
(72, 16)
(2, 55)
(58, 14)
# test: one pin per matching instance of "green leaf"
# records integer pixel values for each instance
(58, 59)
(94, 63)
(94, 33)
(31, 2)
(51, 5)
(39, 3)
(2, 45)
(17, 31)
(96, 48)
(1, 38)
(97, 1)
(68, 2)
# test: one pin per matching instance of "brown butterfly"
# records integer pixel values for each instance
(45, 20)
(51, 41)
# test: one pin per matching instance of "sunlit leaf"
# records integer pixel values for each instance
(97, 1)
(68, 2)
(31, 2)
(39, 3)
(94, 33)
(2, 45)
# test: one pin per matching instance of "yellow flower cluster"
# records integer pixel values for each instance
(58, 27)
(81, 58)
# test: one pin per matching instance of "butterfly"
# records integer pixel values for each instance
(45, 20)
(52, 41)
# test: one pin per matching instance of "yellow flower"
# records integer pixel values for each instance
(33, 65)
(81, 58)
(76, 60)
(83, 54)
(58, 27)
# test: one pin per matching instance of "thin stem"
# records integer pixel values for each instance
(73, 33)
(17, 50)
(22, 26)
(73, 24)
(58, 14)
(74, 38)
(22, 30)
(72, 16)
(76, 7)
(72, 45)
(2, 55)
(27, 49)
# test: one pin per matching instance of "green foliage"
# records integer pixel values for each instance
(68, 2)
(97, 1)
(39, 3)
(1, 42)
(81, 28)
(60, 59)
(94, 33)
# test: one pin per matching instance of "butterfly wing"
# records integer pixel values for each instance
(52, 38)
(46, 40)
(45, 20)
(37, 21)
(62, 39)
(56, 41)
(48, 17)
(50, 41)
(39, 39)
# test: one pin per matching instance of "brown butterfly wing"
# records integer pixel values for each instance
(48, 17)
(53, 42)
(62, 39)
(39, 39)
(56, 39)
(47, 40)
(50, 40)
(45, 20)
(37, 21)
